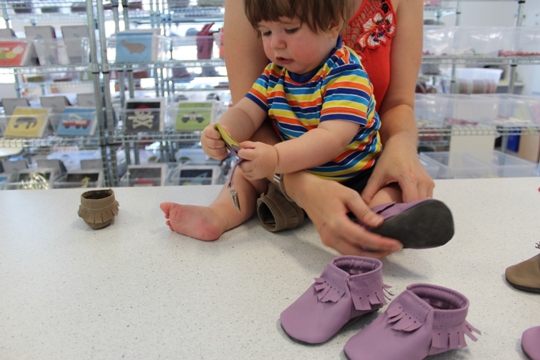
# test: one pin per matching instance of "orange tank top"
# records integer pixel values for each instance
(369, 33)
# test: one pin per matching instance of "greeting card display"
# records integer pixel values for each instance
(144, 115)
(27, 122)
(77, 121)
(195, 115)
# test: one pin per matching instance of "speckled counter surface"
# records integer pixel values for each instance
(136, 290)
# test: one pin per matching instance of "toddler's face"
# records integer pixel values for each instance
(293, 45)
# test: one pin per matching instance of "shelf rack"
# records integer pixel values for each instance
(156, 14)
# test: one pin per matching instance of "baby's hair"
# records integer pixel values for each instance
(316, 14)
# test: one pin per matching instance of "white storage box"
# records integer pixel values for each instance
(505, 165)
(456, 165)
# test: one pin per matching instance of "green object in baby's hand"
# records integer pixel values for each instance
(232, 144)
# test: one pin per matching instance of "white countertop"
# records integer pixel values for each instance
(136, 290)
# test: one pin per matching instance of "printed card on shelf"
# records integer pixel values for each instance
(77, 121)
(14, 52)
(38, 33)
(57, 103)
(27, 122)
(12, 103)
(194, 116)
(7, 34)
(145, 175)
(134, 46)
(71, 33)
(144, 115)
(86, 99)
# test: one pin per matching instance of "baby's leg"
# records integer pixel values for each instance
(388, 194)
(209, 222)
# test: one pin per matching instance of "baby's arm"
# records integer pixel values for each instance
(314, 148)
(241, 122)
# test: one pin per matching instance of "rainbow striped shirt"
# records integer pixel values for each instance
(338, 90)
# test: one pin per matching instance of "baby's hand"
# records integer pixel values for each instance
(260, 160)
(212, 143)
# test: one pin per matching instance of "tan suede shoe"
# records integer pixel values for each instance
(98, 208)
(525, 275)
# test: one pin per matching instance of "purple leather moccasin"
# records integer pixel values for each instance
(419, 224)
(349, 287)
(530, 342)
(423, 320)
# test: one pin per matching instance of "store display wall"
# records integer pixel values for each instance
(153, 71)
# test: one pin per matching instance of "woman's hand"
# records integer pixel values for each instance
(397, 165)
(328, 204)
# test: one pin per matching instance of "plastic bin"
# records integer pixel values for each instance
(439, 40)
(483, 41)
(456, 165)
(196, 47)
(80, 179)
(194, 174)
(4, 180)
(431, 168)
(63, 51)
(144, 175)
(526, 42)
(505, 165)
(443, 109)
(37, 179)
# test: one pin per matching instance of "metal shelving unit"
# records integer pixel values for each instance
(34, 13)
(155, 13)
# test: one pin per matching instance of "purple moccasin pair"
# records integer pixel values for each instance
(418, 224)
(530, 342)
(423, 320)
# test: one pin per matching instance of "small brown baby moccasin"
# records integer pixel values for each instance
(525, 276)
(98, 208)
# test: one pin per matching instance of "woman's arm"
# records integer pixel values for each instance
(399, 160)
(244, 55)
(245, 60)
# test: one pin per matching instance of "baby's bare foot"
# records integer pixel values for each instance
(199, 222)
